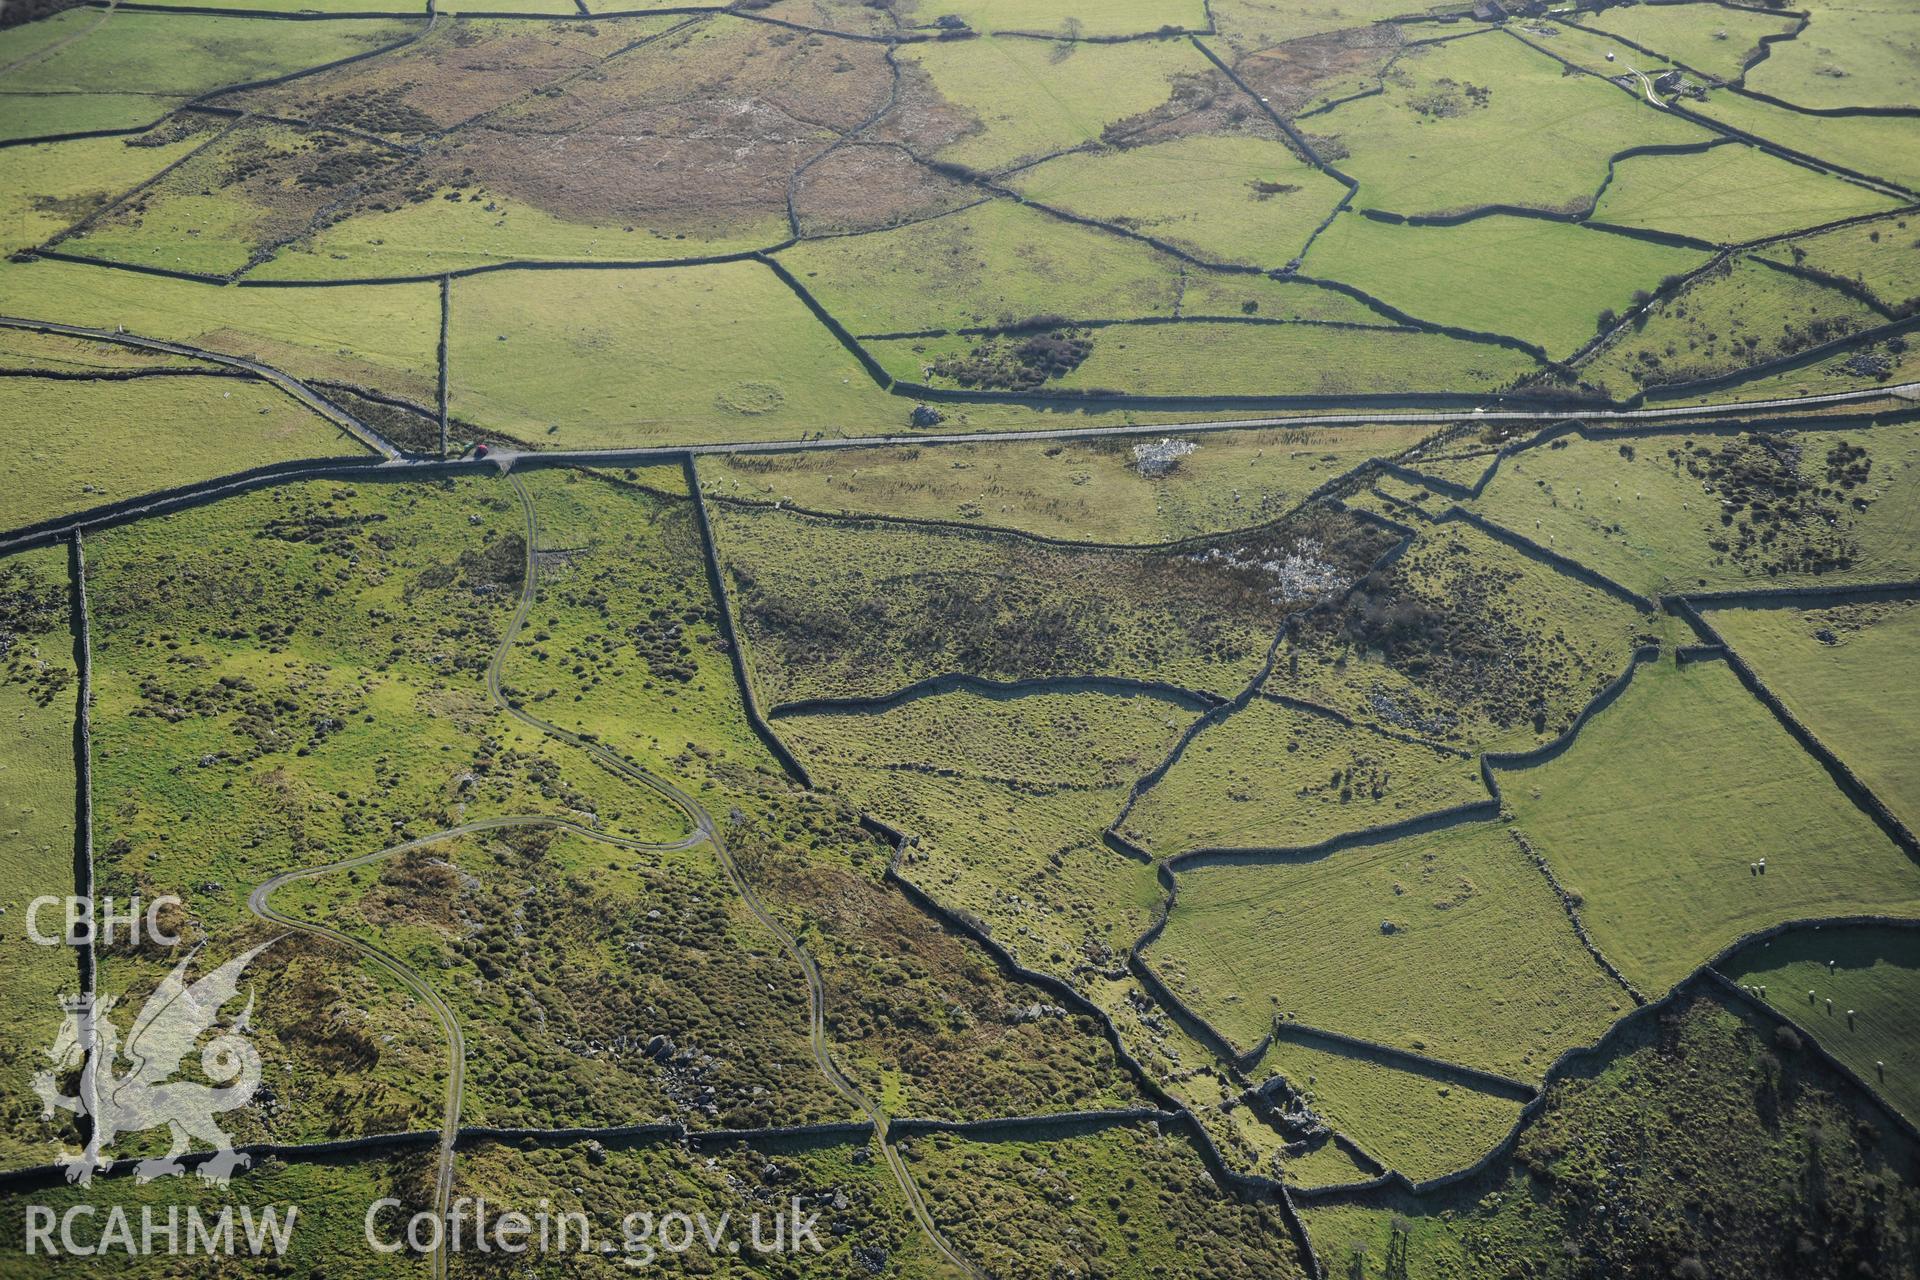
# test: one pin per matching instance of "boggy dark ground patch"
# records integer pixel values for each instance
(1780, 511)
(700, 130)
(838, 608)
(285, 179)
(1204, 102)
(1294, 75)
(460, 69)
(864, 187)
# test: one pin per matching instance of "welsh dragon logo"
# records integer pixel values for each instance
(144, 1095)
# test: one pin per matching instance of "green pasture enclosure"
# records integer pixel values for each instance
(1541, 281)
(441, 235)
(612, 358)
(1420, 1124)
(1648, 512)
(1717, 40)
(143, 65)
(1024, 99)
(1292, 360)
(57, 183)
(1073, 19)
(993, 264)
(1848, 673)
(1230, 198)
(1449, 943)
(1729, 195)
(1739, 314)
(101, 442)
(1878, 256)
(246, 189)
(1856, 990)
(1852, 53)
(382, 336)
(1659, 814)
(1880, 147)
(1271, 776)
(27, 349)
(1526, 135)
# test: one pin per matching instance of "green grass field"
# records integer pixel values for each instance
(1878, 256)
(442, 235)
(1848, 674)
(1713, 39)
(1023, 99)
(1421, 1126)
(1270, 776)
(1532, 137)
(1879, 146)
(1226, 198)
(142, 65)
(1853, 54)
(1729, 195)
(99, 442)
(1450, 944)
(1542, 281)
(1076, 489)
(57, 183)
(1657, 813)
(994, 264)
(248, 188)
(1277, 360)
(1065, 18)
(1648, 512)
(1856, 990)
(651, 357)
(381, 336)
(1734, 316)
(24, 349)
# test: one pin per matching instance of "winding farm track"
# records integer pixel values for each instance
(258, 903)
(704, 831)
(709, 831)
